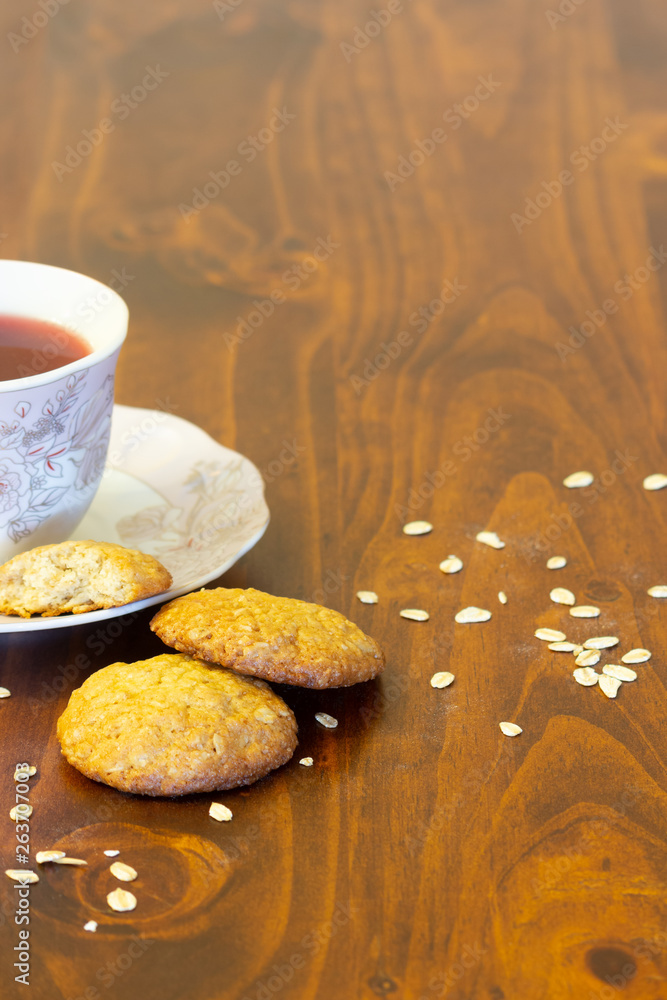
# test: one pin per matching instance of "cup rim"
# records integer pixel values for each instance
(114, 341)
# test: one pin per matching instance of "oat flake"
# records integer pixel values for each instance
(367, 596)
(306, 761)
(417, 528)
(20, 812)
(657, 481)
(636, 656)
(219, 812)
(510, 728)
(18, 875)
(585, 676)
(452, 564)
(90, 925)
(490, 538)
(556, 562)
(5, 692)
(442, 679)
(415, 614)
(121, 900)
(609, 685)
(472, 614)
(585, 611)
(502, 597)
(325, 720)
(587, 658)
(578, 479)
(562, 647)
(619, 672)
(560, 595)
(43, 856)
(660, 590)
(550, 635)
(601, 642)
(124, 872)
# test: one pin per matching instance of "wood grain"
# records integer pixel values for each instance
(424, 855)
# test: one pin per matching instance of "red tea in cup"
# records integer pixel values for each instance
(32, 346)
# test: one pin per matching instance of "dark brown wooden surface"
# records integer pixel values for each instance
(424, 854)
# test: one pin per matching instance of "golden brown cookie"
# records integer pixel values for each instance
(172, 725)
(277, 638)
(78, 577)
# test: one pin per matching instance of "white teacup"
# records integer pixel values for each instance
(54, 426)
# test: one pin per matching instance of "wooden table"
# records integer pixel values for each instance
(459, 209)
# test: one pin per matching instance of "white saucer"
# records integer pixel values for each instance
(172, 491)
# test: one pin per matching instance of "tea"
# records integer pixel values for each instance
(32, 346)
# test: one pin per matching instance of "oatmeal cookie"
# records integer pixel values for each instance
(277, 638)
(78, 576)
(172, 725)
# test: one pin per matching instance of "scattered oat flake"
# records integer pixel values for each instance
(601, 642)
(660, 590)
(20, 774)
(216, 811)
(121, 900)
(577, 650)
(619, 672)
(560, 595)
(587, 658)
(452, 564)
(17, 875)
(415, 614)
(550, 635)
(21, 812)
(125, 872)
(490, 538)
(5, 692)
(90, 925)
(578, 479)
(502, 597)
(585, 611)
(367, 596)
(472, 614)
(657, 481)
(307, 761)
(585, 676)
(556, 562)
(510, 729)
(325, 720)
(562, 647)
(609, 685)
(442, 679)
(75, 862)
(636, 656)
(417, 528)
(43, 856)
(112, 854)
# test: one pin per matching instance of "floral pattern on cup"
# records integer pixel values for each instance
(54, 459)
